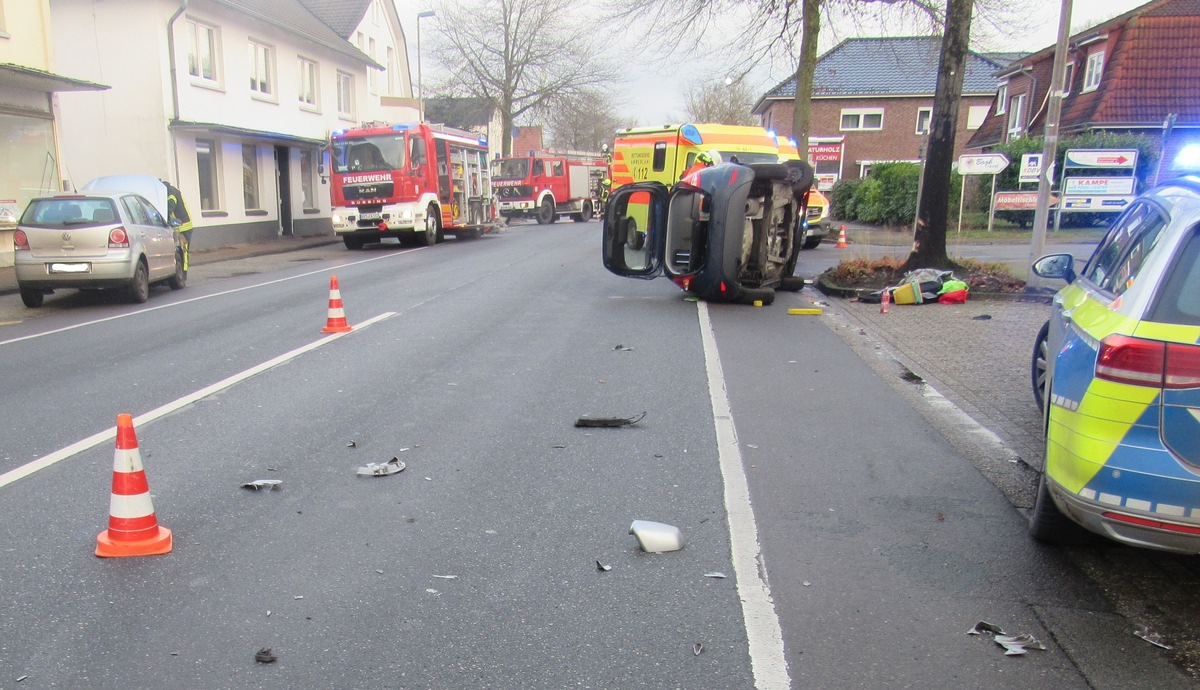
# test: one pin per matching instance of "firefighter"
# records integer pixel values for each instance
(605, 188)
(704, 160)
(179, 218)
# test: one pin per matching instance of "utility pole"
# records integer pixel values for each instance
(1041, 216)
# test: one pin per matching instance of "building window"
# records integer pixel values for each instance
(250, 176)
(1091, 74)
(1068, 78)
(206, 170)
(1016, 115)
(1002, 99)
(308, 178)
(345, 95)
(262, 65)
(923, 117)
(862, 118)
(976, 114)
(308, 83)
(202, 51)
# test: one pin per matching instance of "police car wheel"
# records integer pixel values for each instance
(1037, 367)
(1048, 524)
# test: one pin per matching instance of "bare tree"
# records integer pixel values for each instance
(583, 123)
(521, 54)
(725, 102)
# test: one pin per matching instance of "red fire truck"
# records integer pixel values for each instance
(409, 181)
(545, 187)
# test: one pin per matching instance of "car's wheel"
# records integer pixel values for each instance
(545, 213)
(1037, 367)
(1048, 524)
(812, 242)
(433, 225)
(139, 284)
(353, 243)
(752, 295)
(586, 215)
(179, 280)
(32, 297)
(791, 283)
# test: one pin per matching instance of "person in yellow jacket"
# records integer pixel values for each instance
(704, 160)
(179, 218)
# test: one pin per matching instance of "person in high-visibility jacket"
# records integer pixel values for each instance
(179, 218)
(704, 160)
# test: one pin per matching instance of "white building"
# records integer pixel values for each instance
(233, 100)
(30, 164)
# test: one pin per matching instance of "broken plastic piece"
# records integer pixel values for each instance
(265, 656)
(260, 484)
(381, 469)
(656, 537)
(982, 317)
(623, 348)
(805, 312)
(602, 567)
(1017, 645)
(697, 648)
(1150, 636)
(352, 444)
(446, 577)
(609, 422)
(716, 575)
(983, 626)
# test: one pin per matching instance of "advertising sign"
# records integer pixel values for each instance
(1118, 186)
(1031, 167)
(982, 164)
(1096, 203)
(1101, 158)
(8, 213)
(825, 182)
(1020, 201)
(825, 152)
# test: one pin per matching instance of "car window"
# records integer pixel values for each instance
(68, 212)
(539, 167)
(1115, 264)
(151, 212)
(1179, 301)
(558, 168)
(137, 214)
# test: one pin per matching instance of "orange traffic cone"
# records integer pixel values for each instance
(336, 323)
(133, 529)
(842, 238)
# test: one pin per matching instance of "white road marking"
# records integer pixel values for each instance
(764, 633)
(111, 433)
(203, 297)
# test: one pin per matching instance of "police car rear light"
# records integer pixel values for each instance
(1153, 524)
(117, 237)
(1153, 363)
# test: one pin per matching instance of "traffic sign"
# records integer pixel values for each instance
(1101, 158)
(982, 164)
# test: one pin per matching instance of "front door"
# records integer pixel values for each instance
(283, 180)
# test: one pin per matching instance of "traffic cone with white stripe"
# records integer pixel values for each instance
(336, 323)
(133, 528)
(842, 238)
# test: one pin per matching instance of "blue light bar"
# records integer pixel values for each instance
(690, 133)
(401, 128)
(771, 133)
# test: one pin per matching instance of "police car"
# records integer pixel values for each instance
(1116, 371)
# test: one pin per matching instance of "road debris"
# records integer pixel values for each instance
(982, 317)
(609, 422)
(983, 626)
(715, 575)
(446, 577)
(623, 348)
(21, 678)
(805, 312)
(602, 567)
(381, 469)
(260, 484)
(656, 537)
(1150, 636)
(352, 444)
(697, 648)
(265, 656)
(1018, 645)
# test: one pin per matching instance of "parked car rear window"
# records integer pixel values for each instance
(1179, 301)
(74, 212)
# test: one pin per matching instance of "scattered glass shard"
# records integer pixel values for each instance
(697, 648)
(1150, 636)
(381, 469)
(260, 484)
(609, 422)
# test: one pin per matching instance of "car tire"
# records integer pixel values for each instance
(178, 280)
(353, 243)
(433, 226)
(32, 297)
(1048, 524)
(545, 213)
(585, 215)
(812, 242)
(752, 295)
(791, 283)
(1038, 366)
(139, 285)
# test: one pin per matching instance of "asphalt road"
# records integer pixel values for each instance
(878, 543)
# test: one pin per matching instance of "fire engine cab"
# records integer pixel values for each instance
(414, 182)
(545, 187)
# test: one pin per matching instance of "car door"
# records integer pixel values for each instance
(632, 230)
(163, 236)
(141, 236)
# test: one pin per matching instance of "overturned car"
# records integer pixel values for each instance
(728, 233)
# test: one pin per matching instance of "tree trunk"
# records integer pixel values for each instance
(929, 240)
(506, 129)
(802, 108)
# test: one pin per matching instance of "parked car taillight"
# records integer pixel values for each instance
(20, 240)
(117, 237)
(1139, 362)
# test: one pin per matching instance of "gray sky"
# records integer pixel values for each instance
(654, 92)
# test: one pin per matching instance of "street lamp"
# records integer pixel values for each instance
(427, 14)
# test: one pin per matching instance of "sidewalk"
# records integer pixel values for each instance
(8, 274)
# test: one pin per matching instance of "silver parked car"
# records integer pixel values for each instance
(95, 239)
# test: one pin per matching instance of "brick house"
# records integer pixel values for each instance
(872, 102)
(1126, 74)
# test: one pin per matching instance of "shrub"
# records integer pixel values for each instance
(841, 199)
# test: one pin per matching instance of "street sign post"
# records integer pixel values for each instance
(982, 164)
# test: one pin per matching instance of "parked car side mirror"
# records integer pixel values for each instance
(1060, 266)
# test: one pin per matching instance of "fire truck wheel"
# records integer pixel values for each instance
(353, 243)
(545, 214)
(586, 215)
(433, 226)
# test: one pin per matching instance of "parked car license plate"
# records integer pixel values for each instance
(70, 268)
